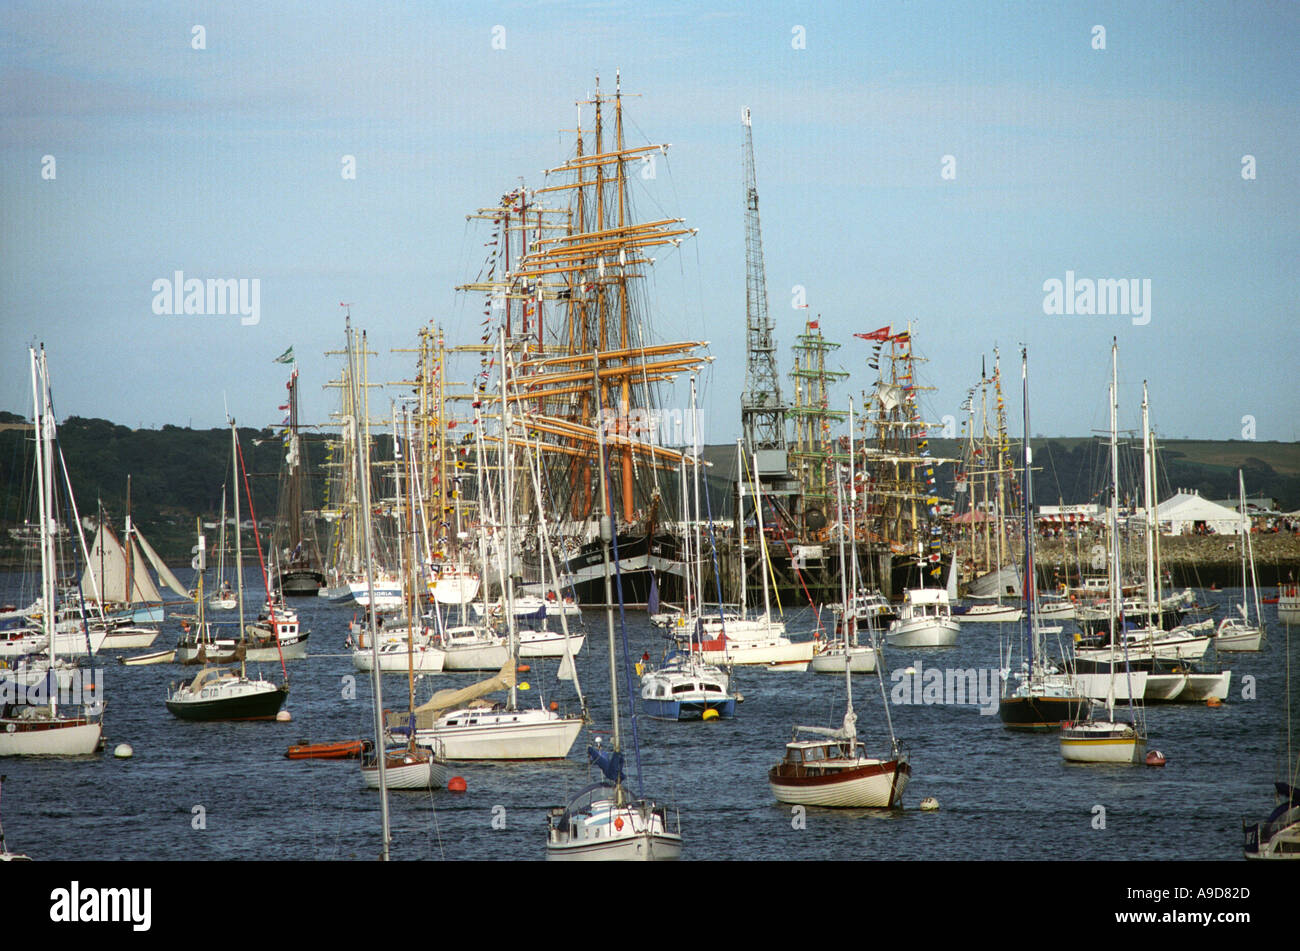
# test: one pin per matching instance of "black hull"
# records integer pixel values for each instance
(306, 581)
(587, 569)
(1039, 714)
(262, 706)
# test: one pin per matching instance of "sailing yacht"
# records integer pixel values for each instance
(843, 648)
(1238, 633)
(1096, 739)
(741, 640)
(116, 569)
(48, 729)
(684, 687)
(409, 766)
(1047, 695)
(216, 693)
(605, 821)
(831, 770)
(467, 730)
(223, 599)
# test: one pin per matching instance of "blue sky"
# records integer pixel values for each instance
(225, 162)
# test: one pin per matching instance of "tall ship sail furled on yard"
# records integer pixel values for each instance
(568, 285)
(986, 482)
(904, 513)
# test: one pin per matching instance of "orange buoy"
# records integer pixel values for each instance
(554, 706)
(1214, 702)
(1155, 758)
(618, 823)
(456, 784)
(523, 669)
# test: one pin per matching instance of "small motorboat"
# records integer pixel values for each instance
(344, 749)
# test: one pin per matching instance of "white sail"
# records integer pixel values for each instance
(107, 569)
(164, 573)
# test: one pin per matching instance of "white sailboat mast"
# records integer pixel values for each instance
(363, 472)
(1148, 479)
(762, 540)
(46, 505)
(740, 526)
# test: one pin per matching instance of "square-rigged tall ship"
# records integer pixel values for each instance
(567, 283)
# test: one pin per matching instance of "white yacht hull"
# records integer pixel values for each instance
(610, 833)
(880, 789)
(1235, 637)
(548, 643)
(429, 774)
(424, 660)
(861, 660)
(501, 735)
(1202, 687)
(990, 614)
(1096, 743)
(1164, 687)
(131, 637)
(924, 632)
(475, 657)
(76, 740)
(1097, 686)
(790, 656)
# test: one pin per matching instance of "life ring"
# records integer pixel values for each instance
(11, 727)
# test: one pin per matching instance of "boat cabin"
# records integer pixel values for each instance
(810, 757)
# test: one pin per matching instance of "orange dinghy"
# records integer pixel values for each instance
(346, 749)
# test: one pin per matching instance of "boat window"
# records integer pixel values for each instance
(713, 688)
(813, 753)
(683, 688)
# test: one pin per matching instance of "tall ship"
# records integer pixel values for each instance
(985, 482)
(299, 559)
(904, 514)
(567, 284)
(346, 530)
(813, 453)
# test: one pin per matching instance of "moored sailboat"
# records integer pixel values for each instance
(47, 729)
(605, 821)
(1239, 633)
(831, 770)
(1047, 695)
(1105, 739)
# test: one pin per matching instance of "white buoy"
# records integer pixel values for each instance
(123, 751)
(929, 804)
(283, 717)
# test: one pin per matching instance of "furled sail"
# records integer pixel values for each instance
(426, 712)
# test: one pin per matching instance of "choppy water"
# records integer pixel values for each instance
(1003, 795)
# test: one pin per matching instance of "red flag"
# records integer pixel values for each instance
(881, 334)
(903, 337)
(814, 325)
